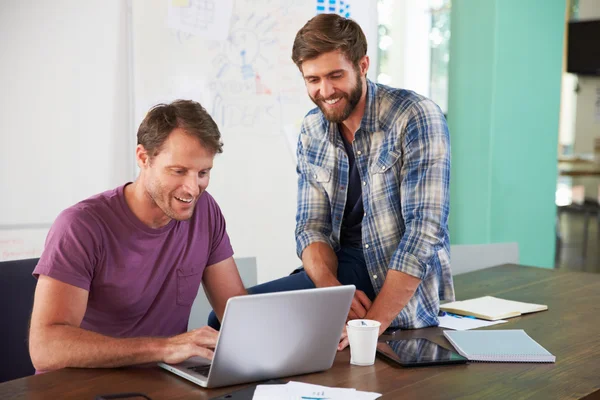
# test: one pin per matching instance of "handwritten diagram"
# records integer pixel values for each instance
(234, 56)
(243, 98)
(208, 18)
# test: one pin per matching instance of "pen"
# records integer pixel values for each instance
(461, 316)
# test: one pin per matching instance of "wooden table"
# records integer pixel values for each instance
(570, 330)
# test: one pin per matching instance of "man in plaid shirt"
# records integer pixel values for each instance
(373, 185)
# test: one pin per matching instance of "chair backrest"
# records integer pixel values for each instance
(17, 287)
(472, 257)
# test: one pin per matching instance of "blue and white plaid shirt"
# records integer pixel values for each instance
(402, 151)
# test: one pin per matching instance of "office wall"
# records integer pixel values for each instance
(589, 9)
(64, 110)
(505, 73)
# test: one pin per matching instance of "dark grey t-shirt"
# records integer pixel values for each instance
(141, 281)
(351, 233)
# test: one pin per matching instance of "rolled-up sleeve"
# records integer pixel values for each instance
(424, 189)
(313, 217)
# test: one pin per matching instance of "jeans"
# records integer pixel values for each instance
(352, 270)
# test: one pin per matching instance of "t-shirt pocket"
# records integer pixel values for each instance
(188, 283)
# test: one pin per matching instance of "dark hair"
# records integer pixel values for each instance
(329, 32)
(188, 115)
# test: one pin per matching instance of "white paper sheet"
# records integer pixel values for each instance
(459, 323)
(210, 19)
(298, 390)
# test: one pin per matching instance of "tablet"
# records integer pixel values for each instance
(418, 352)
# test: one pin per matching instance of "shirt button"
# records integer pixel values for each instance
(359, 152)
(366, 246)
(375, 276)
(315, 176)
(364, 215)
(383, 168)
(364, 183)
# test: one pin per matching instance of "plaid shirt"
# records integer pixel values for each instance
(402, 150)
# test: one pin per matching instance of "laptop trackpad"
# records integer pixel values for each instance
(200, 369)
(196, 365)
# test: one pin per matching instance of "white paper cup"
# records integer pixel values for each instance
(362, 334)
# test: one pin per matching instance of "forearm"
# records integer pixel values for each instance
(396, 292)
(320, 263)
(60, 346)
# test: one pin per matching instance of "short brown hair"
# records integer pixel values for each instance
(329, 32)
(188, 115)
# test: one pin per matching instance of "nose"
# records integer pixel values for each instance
(192, 184)
(326, 88)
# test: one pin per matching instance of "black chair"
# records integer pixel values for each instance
(17, 287)
(590, 208)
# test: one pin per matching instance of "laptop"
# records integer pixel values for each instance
(273, 335)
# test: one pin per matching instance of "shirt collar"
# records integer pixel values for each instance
(370, 121)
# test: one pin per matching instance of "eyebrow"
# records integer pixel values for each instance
(177, 166)
(337, 71)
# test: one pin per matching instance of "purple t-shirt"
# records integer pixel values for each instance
(141, 281)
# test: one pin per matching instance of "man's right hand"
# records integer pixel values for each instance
(198, 342)
(360, 305)
(320, 263)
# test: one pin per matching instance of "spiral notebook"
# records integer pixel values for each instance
(510, 345)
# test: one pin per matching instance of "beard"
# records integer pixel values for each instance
(352, 99)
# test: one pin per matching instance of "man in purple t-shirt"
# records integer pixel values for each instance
(120, 270)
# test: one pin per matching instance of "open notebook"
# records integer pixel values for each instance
(491, 308)
(510, 345)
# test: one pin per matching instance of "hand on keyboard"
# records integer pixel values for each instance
(198, 342)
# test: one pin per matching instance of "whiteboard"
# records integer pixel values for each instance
(246, 80)
(65, 118)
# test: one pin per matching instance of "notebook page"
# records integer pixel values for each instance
(523, 308)
(511, 345)
(489, 307)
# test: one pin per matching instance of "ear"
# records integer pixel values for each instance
(141, 156)
(363, 64)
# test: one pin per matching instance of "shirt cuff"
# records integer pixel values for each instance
(409, 264)
(306, 238)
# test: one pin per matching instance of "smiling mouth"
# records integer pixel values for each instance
(187, 201)
(332, 101)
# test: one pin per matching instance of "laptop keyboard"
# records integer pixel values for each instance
(200, 369)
